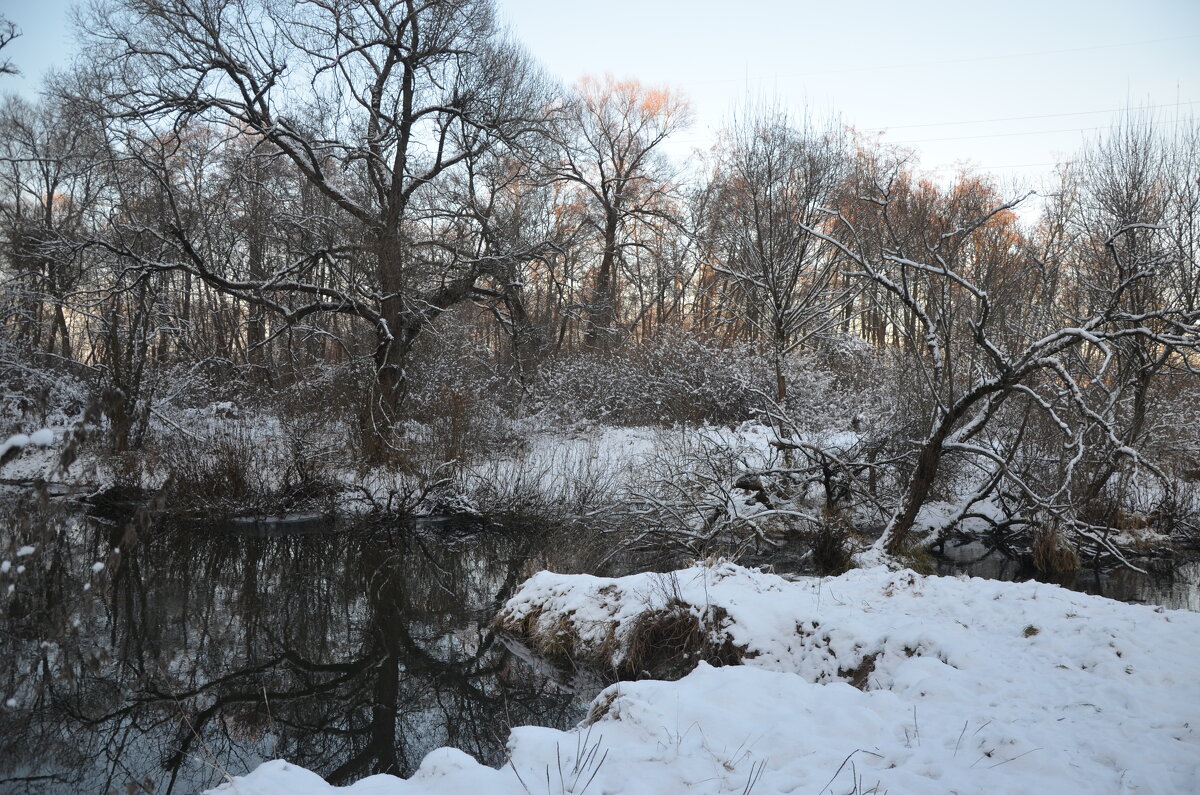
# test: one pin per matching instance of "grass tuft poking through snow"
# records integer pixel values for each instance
(871, 681)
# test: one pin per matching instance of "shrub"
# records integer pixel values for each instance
(230, 466)
(675, 378)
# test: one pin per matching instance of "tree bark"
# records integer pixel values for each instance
(602, 313)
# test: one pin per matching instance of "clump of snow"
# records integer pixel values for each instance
(18, 441)
(25, 551)
(42, 438)
(958, 685)
(14, 442)
(874, 557)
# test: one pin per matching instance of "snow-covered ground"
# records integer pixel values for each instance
(965, 685)
(958, 685)
(582, 468)
(564, 465)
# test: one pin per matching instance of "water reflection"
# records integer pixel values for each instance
(349, 653)
(202, 649)
(1172, 584)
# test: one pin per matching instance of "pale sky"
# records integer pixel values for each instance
(958, 79)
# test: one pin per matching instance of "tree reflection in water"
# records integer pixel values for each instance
(198, 652)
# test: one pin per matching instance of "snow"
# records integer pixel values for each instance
(40, 460)
(25, 551)
(976, 686)
(39, 438)
(595, 465)
(42, 438)
(15, 442)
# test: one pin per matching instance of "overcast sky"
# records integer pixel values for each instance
(956, 79)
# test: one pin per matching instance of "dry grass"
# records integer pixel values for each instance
(1051, 553)
(830, 547)
(232, 472)
(860, 676)
(668, 643)
(919, 559)
(664, 643)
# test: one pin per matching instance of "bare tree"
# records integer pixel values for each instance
(373, 104)
(50, 185)
(1059, 372)
(609, 144)
(1183, 216)
(773, 181)
(8, 32)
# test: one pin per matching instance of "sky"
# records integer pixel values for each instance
(1009, 87)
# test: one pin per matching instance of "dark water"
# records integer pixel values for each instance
(210, 648)
(1171, 583)
(196, 651)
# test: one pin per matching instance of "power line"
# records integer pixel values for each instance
(994, 168)
(917, 64)
(1026, 118)
(1039, 132)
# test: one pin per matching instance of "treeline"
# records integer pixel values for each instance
(265, 189)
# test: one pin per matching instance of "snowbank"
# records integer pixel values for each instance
(962, 686)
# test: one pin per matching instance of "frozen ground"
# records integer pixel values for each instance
(569, 466)
(588, 467)
(964, 686)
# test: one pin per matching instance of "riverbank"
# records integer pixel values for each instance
(875, 680)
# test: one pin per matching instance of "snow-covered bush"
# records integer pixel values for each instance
(223, 464)
(669, 379)
(459, 407)
(35, 395)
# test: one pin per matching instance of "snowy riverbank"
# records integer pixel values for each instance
(961, 686)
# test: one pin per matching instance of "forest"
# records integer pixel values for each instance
(392, 237)
(364, 263)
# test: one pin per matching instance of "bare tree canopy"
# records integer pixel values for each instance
(375, 106)
(390, 199)
(772, 181)
(608, 143)
(8, 32)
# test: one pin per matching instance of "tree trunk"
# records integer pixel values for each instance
(256, 321)
(395, 341)
(60, 324)
(780, 380)
(919, 486)
(602, 312)
(525, 339)
(930, 458)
